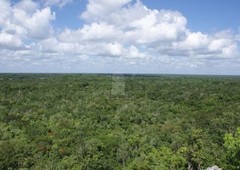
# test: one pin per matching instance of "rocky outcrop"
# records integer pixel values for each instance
(214, 168)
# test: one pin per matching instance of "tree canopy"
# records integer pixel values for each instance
(74, 121)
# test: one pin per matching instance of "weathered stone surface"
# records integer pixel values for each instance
(214, 168)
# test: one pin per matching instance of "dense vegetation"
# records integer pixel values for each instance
(119, 122)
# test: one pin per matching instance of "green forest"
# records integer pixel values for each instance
(106, 122)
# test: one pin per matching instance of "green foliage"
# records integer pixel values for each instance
(232, 143)
(90, 122)
(165, 158)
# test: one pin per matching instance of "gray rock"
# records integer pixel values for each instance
(214, 168)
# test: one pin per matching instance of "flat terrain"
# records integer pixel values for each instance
(71, 121)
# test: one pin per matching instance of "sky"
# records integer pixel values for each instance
(120, 36)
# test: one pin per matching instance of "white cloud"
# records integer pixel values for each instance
(59, 3)
(5, 11)
(98, 9)
(218, 44)
(230, 51)
(93, 32)
(121, 30)
(237, 37)
(134, 53)
(25, 20)
(132, 24)
(158, 26)
(114, 49)
(37, 24)
(194, 40)
(139, 24)
(52, 45)
(9, 41)
(27, 5)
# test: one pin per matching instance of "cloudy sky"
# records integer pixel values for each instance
(120, 36)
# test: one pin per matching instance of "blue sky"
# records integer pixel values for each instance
(204, 15)
(120, 36)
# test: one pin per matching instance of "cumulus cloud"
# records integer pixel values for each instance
(124, 30)
(26, 20)
(59, 3)
(139, 24)
(92, 32)
(163, 32)
(38, 24)
(27, 5)
(195, 40)
(52, 45)
(100, 9)
(5, 11)
(158, 26)
(9, 41)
